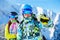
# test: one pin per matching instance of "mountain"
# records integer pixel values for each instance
(2, 30)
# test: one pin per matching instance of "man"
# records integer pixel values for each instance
(29, 28)
(47, 24)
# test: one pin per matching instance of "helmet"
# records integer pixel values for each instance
(44, 19)
(13, 15)
(27, 9)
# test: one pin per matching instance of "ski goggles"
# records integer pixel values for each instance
(44, 21)
(27, 11)
(13, 16)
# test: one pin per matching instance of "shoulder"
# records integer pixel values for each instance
(21, 21)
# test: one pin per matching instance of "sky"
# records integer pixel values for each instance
(11, 5)
(53, 5)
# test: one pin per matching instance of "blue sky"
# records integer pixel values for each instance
(53, 5)
(6, 6)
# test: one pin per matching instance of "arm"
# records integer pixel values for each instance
(7, 34)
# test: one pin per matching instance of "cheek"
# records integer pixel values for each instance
(27, 15)
(13, 19)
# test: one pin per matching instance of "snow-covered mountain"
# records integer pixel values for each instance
(2, 30)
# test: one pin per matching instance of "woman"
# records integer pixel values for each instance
(11, 27)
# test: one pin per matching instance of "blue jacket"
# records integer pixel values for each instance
(29, 30)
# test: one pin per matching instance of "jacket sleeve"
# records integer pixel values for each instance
(7, 34)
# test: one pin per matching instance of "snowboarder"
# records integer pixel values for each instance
(29, 28)
(11, 27)
(47, 23)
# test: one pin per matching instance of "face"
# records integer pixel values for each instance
(44, 20)
(27, 15)
(12, 19)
